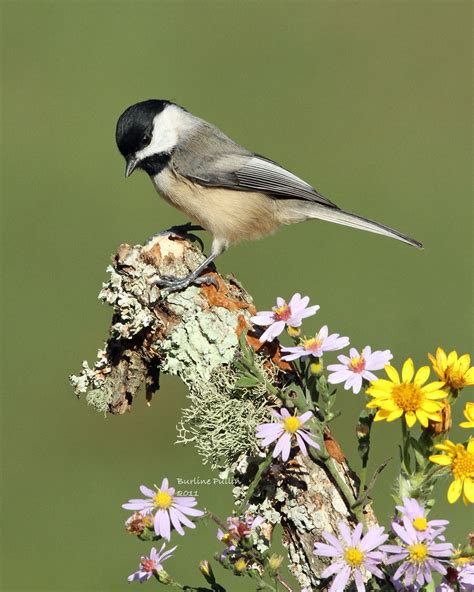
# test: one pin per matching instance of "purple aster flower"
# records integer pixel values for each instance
(167, 508)
(355, 367)
(416, 515)
(289, 427)
(282, 315)
(462, 575)
(444, 587)
(316, 346)
(466, 577)
(419, 555)
(149, 565)
(354, 555)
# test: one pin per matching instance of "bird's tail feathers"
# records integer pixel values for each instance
(347, 219)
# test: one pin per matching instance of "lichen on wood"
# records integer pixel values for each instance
(195, 335)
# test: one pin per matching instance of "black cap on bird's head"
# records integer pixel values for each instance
(134, 130)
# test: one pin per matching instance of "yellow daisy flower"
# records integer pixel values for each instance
(461, 461)
(455, 372)
(469, 415)
(396, 397)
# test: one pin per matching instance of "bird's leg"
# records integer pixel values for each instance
(174, 284)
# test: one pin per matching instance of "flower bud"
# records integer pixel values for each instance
(293, 331)
(247, 542)
(240, 565)
(316, 368)
(275, 561)
(206, 570)
(205, 567)
(135, 524)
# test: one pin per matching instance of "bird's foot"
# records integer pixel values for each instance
(181, 230)
(170, 284)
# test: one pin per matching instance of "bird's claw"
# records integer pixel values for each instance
(181, 230)
(171, 284)
(185, 228)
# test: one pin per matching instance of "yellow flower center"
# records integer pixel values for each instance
(282, 313)
(420, 523)
(463, 464)
(407, 396)
(461, 561)
(163, 500)
(312, 344)
(418, 552)
(147, 565)
(291, 424)
(357, 364)
(353, 556)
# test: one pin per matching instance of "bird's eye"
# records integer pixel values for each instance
(146, 139)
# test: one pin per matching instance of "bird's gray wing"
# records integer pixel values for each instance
(212, 159)
(261, 174)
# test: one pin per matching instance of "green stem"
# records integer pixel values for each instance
(344, 489)
(250, 491)
(363, 479)
(364, 428)
(405, 436)
(170, 582)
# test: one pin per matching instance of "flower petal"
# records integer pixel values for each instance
(454, 491)
(392, 374)
(408, 370)
(147, 491)
(340, 581)
(469, 490)
(162, 524)
(326, 550)
(422, 375)
(441, 459)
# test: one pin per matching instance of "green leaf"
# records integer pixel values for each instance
(247, 382)
(361, 500)
(247, 352)
(421, 453)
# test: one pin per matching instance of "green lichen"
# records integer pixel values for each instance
(221, 419)
(202, 342)
(99, 399)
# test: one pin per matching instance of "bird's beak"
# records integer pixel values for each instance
(131, 165)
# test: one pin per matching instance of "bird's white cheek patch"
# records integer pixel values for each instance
(167, 127)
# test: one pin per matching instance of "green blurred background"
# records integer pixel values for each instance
(369, 101)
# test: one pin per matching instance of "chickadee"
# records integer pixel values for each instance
(232, 192)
